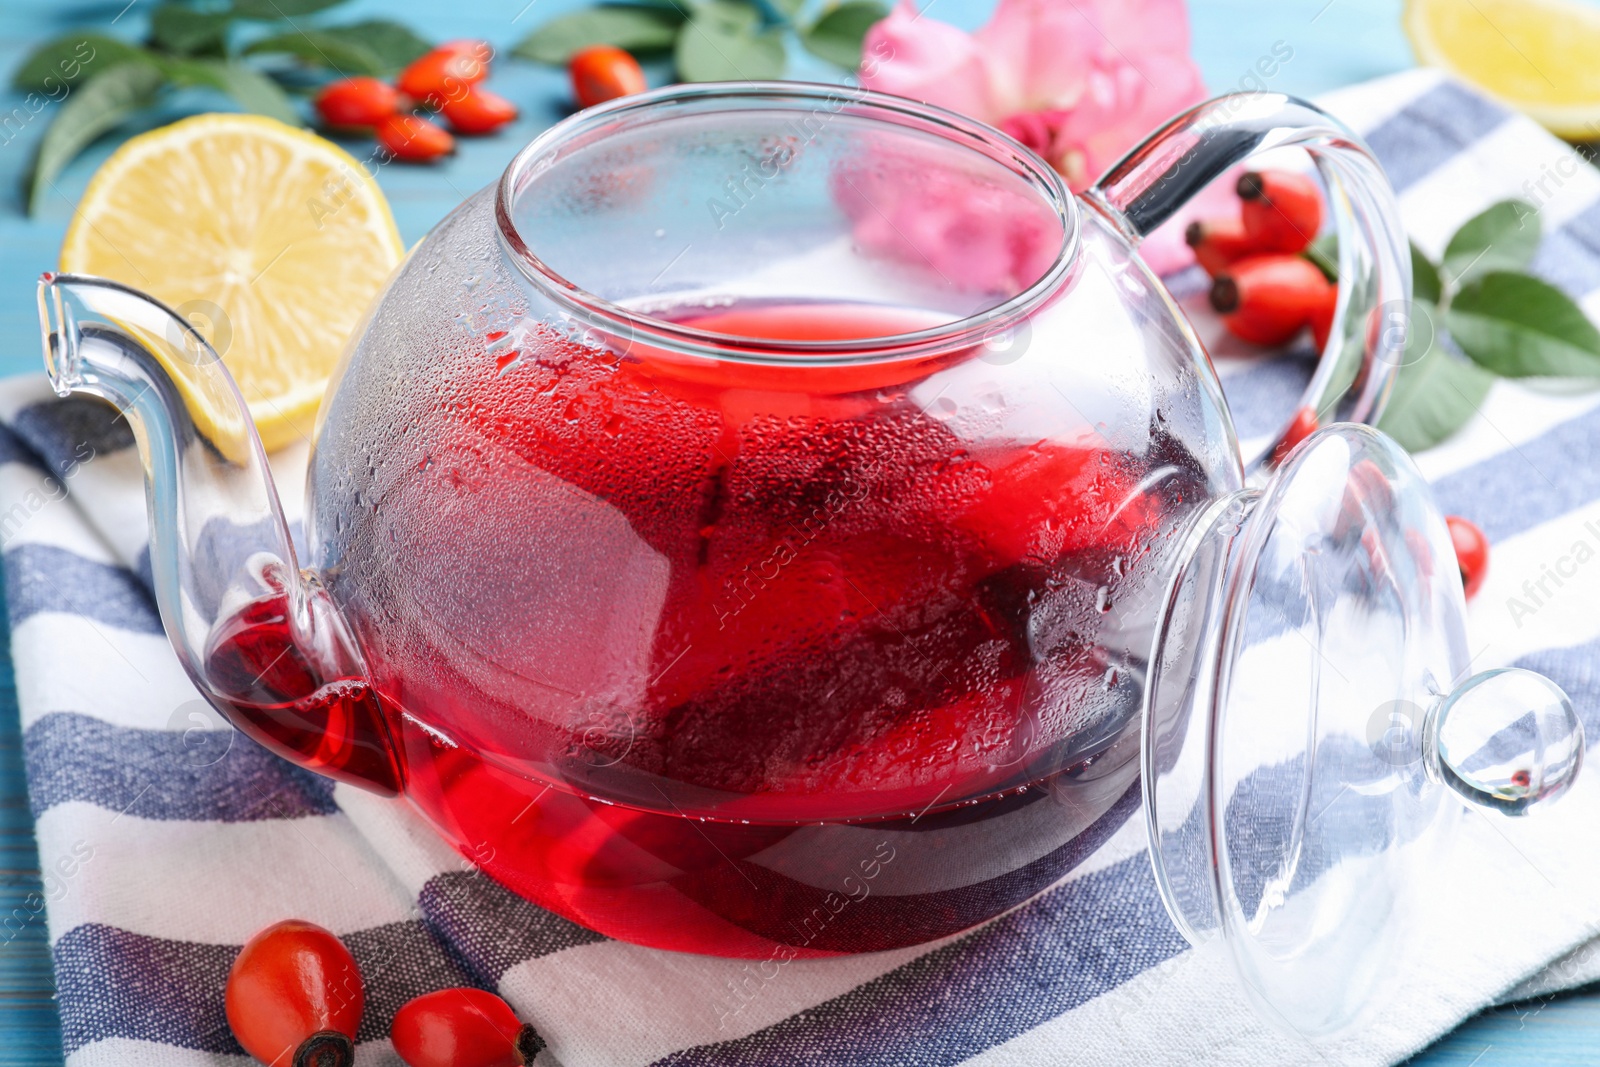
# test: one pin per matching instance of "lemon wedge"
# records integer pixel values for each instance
(1538, 56)
(271, 240)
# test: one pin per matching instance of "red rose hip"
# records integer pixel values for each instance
(1266, 300)
(479, 111)
(1217, 243)
(294, 997)
(414, 140)
(447, 72)
(1472, 552)
(1281, 210)
(604, 73)
(357, 102)
(462, 1028)
(1320, 318)
(1302, 426)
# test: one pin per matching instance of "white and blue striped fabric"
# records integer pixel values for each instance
(167, 840)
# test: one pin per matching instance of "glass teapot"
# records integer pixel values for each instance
(781, 520)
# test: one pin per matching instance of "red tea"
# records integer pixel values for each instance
(737, 669)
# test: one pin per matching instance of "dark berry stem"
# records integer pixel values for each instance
(325, 1048)
(529, 1043)
(1225, 294)
(1251, 187)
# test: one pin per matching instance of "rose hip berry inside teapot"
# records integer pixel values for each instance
(772, 519)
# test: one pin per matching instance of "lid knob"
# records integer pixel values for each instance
(1505, 739)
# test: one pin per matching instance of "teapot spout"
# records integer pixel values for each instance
(260, 638)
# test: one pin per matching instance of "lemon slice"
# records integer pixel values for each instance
(271, 240)
(1536, 55)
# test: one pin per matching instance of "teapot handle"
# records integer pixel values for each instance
(1365, 349)
(222, 565)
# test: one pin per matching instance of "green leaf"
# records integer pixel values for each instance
(256, 92)
(68, 60)
(249, 88)
(1425, 284)
(1502, 238)
(790, 9)
(394, 44)
(837, 34)
(376, 46)
(101, 105)
(1324, 255)
(1425, 281)
(183, 31)
(1434, 396)
(733, 12)
(636, 29)
(720, 44)
(1518, 326)
(279, 9)
(318, 49)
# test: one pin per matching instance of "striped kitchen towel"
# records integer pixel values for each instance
(168, 839)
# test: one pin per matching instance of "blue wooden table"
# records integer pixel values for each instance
(1334, 43)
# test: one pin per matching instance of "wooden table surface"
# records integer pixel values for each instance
(1335, 42)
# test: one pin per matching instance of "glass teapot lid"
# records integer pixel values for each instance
(1311, 718)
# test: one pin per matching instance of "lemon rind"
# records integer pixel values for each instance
(281, 418)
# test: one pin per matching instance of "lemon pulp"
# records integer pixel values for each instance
(271, 240)
(1536, 55)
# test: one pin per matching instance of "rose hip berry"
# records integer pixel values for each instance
(462, 1028)
(1217, 243)
(1302, 426)
(1266, 300)
(1472, 552)
(446, 72)
(604, 73)
(445, 80)
(413, 139)
(1320, 318)
(359, 101)
(294, 997)
(1281, 210)
(479, 111)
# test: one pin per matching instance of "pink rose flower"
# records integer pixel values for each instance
(963, 232)
(1078, 81)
